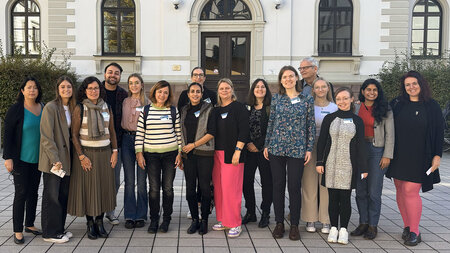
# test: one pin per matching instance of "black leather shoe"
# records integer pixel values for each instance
(19, 241)
(91, 231)
(139, 223)
(278, 232)
(360, 230)
(249, 217)
(371, 232)
(153, 226)
(34, 232)
(405, 233)
(195, 225)
(164, 226)
(101, 232)
(294, 234)
(130, 224)
(413, 239)
(264, 222)
(203, 227)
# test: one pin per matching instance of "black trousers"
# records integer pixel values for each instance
(293, 167)
(256, 160)
(198, 169)
(26, 183)
(54, 204)
(339, 206)
(161, 173)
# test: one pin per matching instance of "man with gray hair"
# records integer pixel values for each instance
(308, 69)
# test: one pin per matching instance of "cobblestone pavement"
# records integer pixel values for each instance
(434, 228)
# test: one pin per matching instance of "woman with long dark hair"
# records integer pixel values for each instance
(21, 155)
(55, 158)
(379, 136)
(259, 98)
(288, 146)
(92, 189)
(419, 131)
(198, 127)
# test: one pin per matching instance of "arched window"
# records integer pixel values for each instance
(426, 28)
(335, 27)
(226, 10)
(119, 30)
(26, 27)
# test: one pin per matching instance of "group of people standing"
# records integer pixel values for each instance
(307, 136)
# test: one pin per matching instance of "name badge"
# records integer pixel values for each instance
(224, 115)
(139, 109)
(324, 112)
(166, 117)
(105, 115)
(207, 100)
(348, 121)
(295, 100)
(197, 113)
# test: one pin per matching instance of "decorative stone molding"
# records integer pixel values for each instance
(338, 64)
(130, 64)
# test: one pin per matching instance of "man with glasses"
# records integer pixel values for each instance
(308, 69)
(114, 97)
(198, 76)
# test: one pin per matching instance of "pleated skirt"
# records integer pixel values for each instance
(92, 192)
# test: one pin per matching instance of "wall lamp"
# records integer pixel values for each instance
(176, 3)
(278, 3)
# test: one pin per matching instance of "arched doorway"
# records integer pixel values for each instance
(227, 40)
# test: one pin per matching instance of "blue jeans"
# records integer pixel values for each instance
(133, 210)
(116, 177)
(368, 190)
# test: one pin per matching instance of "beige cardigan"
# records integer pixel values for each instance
(55, 142)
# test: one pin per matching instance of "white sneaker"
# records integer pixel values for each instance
(343, 236)
(235, 232)
(68, 234)
(310, 227)
(58, 239)
(325, 229)
(189, 215)
(112, 219)
(333, 235)
(218, 227)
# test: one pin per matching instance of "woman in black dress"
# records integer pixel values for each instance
(418, 149)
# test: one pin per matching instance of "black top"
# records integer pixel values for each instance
(12, 142)
(358, 153)
(258, 122)
(433, 142)
(409, 151)
(115, 101)
(191, 122)
(232, 126)
(184, 100)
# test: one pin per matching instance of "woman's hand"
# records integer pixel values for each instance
(57, 165)
(178, 162)
(320, 169)
(85, 163)
(140, 159)
(236, 156)
(384, 162)
(113, 159)
(266, 154)
(435, 163)
(307, 157)
(364, 175)
(9, 165)
(252, 148)
(188, 148)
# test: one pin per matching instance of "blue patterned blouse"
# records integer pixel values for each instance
(292, 129)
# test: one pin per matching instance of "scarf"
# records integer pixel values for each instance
(95, 121)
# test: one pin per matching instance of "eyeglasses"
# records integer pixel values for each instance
(305, 67)
(198, 75)
(93, 89)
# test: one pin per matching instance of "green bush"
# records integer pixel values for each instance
(45, 68)
(436, 71)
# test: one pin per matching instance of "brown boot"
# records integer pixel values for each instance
(278, 232)
(294, 235)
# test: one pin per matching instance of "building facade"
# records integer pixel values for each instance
(240, 39)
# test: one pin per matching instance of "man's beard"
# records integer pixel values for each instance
(111, 82)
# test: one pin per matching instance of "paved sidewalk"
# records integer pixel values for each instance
(434, 228)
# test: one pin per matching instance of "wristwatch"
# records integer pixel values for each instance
(238, 148)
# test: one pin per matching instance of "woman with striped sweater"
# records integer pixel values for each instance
(158, 150)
